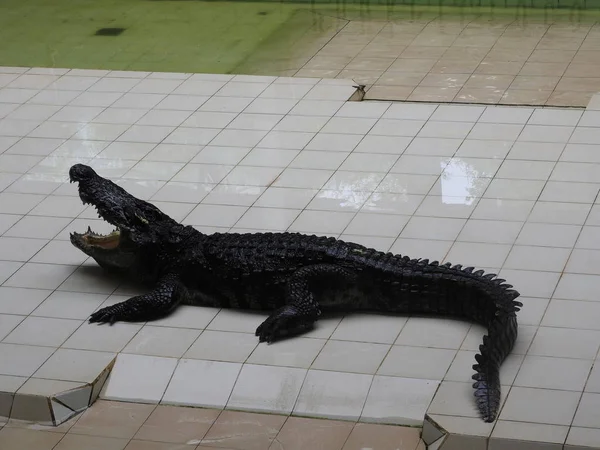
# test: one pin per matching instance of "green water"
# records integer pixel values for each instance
(214, 36)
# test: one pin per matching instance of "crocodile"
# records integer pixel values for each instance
(294, 276)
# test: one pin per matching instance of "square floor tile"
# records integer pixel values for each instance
(42, 331)
(333, 395)
(264, 388)
(102, 338)
(406, 407)
(437, 333)
(553, 373)
(187, 316)
(565, 342)
(219, 379)
(538, 258)
(24, 359)
(75, 365)
(539, 406)
(127, 380)
(427, 363)
(222, 346)
(321, 222)
(40, 276)
(162, 341)
(347, 356)
(299, 352)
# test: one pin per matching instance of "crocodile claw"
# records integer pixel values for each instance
(105, 315)
(284, 322)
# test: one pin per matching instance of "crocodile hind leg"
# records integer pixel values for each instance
(301, 310)
(165, 297)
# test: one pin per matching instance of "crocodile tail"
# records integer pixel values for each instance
(497, 344)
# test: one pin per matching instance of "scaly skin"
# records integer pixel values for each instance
(297, 276)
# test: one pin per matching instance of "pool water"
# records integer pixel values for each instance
(198, 36)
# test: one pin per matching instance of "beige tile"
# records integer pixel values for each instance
(112, 419)
(569, 98)
(420, 51)
(525, 97)
(300, 433)
(22, 439)
(582, 70)
(581, 84)
(401, 78)
(445, 80)
(379, 92)
(82, 442)
(465, 53)
(362, 63)
(552, 55)
(489, 82)
(413, 65)
(360, 76)
(317, 73)
(499, 67)
(433, 40)
(149, 445)
(177, 424)
(433, 94)
(205, 447)
(477, 41)
(476, 95)
(508, 55)
(62, 428)
(587, 57)
(328, 62)
(454, 66)
(549, 69)
(517, 42)
(244, 430)
(544, 83)
(376, 49)
(382, 437)
(559, 43)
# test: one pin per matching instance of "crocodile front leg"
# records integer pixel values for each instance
(168, 293)
(301, 310)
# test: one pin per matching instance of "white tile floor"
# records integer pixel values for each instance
(508, 189)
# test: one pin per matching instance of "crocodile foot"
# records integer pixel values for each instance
(286, 321)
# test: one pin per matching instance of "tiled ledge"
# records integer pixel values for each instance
(48, 401)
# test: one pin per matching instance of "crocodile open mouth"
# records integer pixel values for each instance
(109, 241)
